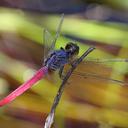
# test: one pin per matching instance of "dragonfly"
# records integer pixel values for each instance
(56, 61)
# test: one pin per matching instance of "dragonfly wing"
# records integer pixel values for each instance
(98, 60)
(57, 32)
(103, 72)
(91, 81)
(49, 41)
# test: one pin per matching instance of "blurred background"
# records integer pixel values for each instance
(87, 102)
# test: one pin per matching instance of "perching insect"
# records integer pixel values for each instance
(56, 60)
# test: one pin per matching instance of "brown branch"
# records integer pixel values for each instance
(50, 118)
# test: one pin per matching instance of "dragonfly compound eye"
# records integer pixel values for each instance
(72, 48)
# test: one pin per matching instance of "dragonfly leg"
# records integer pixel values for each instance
(73, 63)
(61, 72)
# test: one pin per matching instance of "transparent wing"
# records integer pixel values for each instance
(92, 81)
(87, 75)
(97, 60)
(57, 32)
(102, 71)
(49, 41)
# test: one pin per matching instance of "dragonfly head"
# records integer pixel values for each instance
(72, 49)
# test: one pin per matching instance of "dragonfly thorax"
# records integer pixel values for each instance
(59, 58)
(56, 59)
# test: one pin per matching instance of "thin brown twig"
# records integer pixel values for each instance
(50, 118)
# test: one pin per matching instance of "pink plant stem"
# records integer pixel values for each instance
(39, 75)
